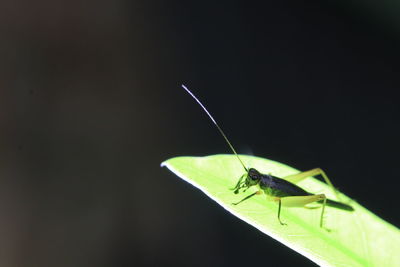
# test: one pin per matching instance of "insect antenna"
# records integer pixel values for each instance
(216, 124)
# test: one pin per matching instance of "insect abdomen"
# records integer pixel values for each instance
(338, 205)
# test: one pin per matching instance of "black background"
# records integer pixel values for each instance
(91, 104)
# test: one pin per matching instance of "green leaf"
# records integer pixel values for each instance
(357, 238)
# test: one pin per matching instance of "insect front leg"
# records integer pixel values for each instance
(295, 178)
(237, 186)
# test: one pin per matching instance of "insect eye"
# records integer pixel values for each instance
(254, 174)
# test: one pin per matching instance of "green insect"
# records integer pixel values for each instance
(282, 190)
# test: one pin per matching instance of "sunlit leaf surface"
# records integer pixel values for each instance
(357, 238)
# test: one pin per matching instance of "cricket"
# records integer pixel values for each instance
(282, 190)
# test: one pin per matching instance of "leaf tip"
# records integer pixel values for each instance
(163, 164)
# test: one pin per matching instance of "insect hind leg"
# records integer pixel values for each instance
(295, 178)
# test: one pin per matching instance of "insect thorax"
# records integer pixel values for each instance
(268, 184)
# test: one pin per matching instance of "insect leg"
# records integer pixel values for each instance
(300, 201)
(322, 213)
(295, 178)
(279, 212)
(237, 186)
(249, 196)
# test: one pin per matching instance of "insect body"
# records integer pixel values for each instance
(285, 192)
(282, 190)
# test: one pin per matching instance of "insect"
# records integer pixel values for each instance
(282, 190)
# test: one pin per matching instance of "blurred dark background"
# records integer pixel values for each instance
(91, 104)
